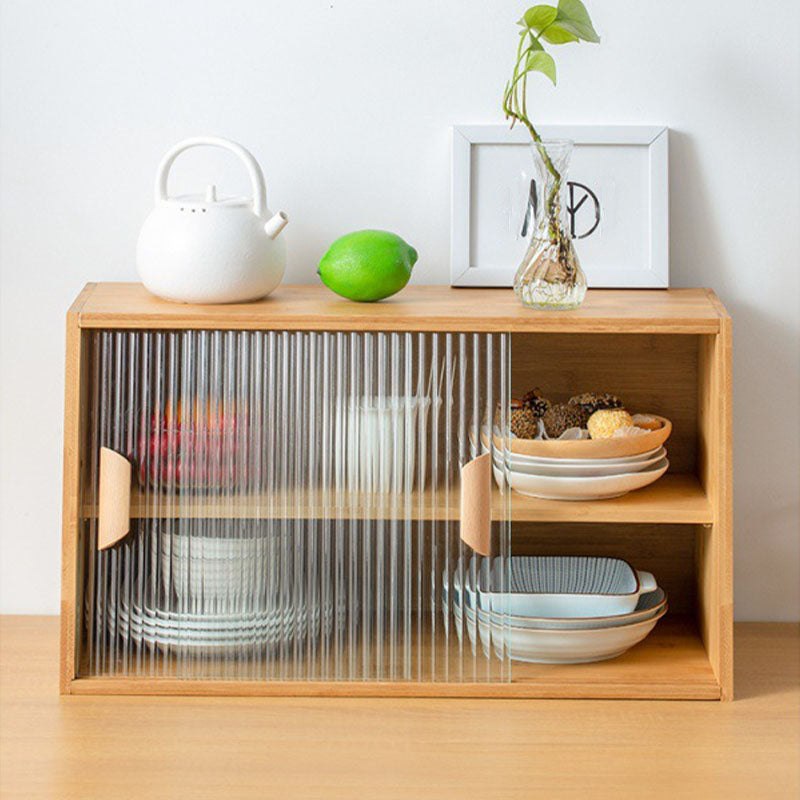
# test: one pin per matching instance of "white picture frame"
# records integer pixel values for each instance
(632, 248)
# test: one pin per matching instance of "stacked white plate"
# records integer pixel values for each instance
(221, 592)
(556, 609)
(579, 479)
(157, 627)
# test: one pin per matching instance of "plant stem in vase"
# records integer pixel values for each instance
(550, 275)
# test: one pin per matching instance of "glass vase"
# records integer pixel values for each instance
(550, 275)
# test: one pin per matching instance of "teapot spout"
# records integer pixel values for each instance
(276, 224)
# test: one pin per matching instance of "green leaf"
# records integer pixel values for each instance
(574, 18)
(579, 31)
(539, 17)
(540, 61)
(557, 33)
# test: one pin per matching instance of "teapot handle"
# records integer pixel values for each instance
(254, 171)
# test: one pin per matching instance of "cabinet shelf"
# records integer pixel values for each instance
(671, 499)
(670, 664)
(675, 499)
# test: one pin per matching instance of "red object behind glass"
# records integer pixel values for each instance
(204, 449)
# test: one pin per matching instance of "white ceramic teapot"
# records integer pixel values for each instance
(205, 249)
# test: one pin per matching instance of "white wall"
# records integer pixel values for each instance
(347, 104)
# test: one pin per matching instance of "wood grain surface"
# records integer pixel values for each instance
(671, 499)
(114, 498)
(671, 663)
(74, 410)
(74, 748)
(417, 308)
(651, 374)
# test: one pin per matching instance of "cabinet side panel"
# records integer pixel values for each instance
(714, 556)
(73, 436)
(724, 508)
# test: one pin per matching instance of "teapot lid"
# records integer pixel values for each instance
(210, 198)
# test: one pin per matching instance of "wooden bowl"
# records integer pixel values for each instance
(620, 447)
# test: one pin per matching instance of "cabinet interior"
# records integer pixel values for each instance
(651, 373)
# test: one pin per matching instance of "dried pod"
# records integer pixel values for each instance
(524, 421)
(535, 402)
(562, 416)
(594, 401)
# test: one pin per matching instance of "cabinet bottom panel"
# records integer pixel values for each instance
(670, 664)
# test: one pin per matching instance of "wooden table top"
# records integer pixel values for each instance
(416, 308)
(194, 747)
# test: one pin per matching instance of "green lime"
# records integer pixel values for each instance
(367, 265)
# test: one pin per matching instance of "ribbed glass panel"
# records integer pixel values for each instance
(295, 507)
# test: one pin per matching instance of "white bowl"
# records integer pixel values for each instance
(591, 469)
(561, 646)
(598, 488)
(649, 606)
(381, 442)
(586, 461)
(523, 458)
(211, 570)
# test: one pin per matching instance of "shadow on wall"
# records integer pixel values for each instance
(695, 239)
(765, 367)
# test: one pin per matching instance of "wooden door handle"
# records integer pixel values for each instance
(114, 507)
(476, 504)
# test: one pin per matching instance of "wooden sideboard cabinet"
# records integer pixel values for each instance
(274, 497)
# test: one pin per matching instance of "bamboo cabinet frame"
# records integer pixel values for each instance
(664, 348)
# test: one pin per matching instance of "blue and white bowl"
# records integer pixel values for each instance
(558, 587)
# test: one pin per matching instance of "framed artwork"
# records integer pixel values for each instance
(617, 202)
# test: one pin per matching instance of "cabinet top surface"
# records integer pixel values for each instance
(416, 308)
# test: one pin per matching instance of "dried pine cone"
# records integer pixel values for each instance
(534, 401)
(594, 401)
(524, 421)
(562, 416)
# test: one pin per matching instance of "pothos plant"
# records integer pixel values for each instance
(562, 24)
